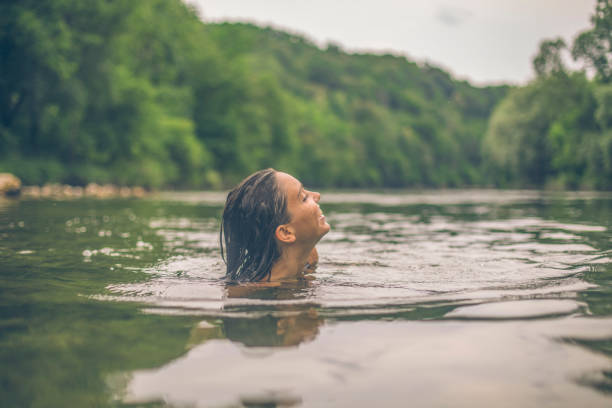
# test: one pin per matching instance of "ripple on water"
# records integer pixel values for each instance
(517, 309)
(376, 260)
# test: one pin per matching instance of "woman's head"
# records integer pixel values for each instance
(265, 214)
(306, 223)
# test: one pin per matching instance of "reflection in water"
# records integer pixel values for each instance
(365, 364)
(279, 326)
(266, 331)
(7, 203)
(284, 325)
(234, 341)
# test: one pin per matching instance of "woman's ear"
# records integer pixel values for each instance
(284, 233)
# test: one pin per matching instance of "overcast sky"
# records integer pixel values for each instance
(484, 41)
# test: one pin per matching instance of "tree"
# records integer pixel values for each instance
(594, 46)
(536, 134)
(549, 60)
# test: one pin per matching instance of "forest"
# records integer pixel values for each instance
(142, 92)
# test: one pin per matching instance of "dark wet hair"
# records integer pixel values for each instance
(253, 210)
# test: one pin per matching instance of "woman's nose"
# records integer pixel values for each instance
(317, 196)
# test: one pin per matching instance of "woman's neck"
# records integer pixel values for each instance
(291, 263)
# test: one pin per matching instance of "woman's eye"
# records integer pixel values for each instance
(305, 197)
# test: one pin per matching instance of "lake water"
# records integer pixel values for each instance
(445, 298)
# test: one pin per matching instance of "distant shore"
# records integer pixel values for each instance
(92, 190)
(10, 186)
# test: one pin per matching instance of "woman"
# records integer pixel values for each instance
(270, 227)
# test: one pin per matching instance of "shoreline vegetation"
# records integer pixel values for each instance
(143, 93)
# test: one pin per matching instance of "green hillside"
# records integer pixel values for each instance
(142, 92)
(363, 119)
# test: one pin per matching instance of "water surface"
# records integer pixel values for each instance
(439, 298)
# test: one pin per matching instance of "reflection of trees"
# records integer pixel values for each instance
(6, 204)
(599, 380)
(281, 325)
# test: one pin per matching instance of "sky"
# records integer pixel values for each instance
(483, 41)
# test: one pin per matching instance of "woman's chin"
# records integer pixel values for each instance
(325, 226)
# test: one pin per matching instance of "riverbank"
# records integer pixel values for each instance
(92, 190)
(10, 186)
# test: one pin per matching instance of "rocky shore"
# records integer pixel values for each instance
(10, 186)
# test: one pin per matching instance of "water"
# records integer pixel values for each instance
(449, 298)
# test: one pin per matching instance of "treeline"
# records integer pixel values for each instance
(141, 92)
(106, 91)
(557, 130)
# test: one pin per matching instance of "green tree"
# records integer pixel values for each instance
(535, 134)
(550, 59)
(556, 130)
(594, 46)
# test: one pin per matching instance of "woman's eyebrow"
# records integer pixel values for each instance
(300, 190)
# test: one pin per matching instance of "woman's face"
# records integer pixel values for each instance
(306, 216)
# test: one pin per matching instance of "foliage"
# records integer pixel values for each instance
(550, 60)
(556, 130)
(535, 134)
(142, 92)
(594, 46)
(103, 89)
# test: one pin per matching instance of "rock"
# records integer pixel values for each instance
(31, 192)
(9, 184)
(77, 192)
(101, 191)
(53, 190)
(125, 192)
(92, 190)
(138, 192)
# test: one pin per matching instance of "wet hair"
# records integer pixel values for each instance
(253, 210)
